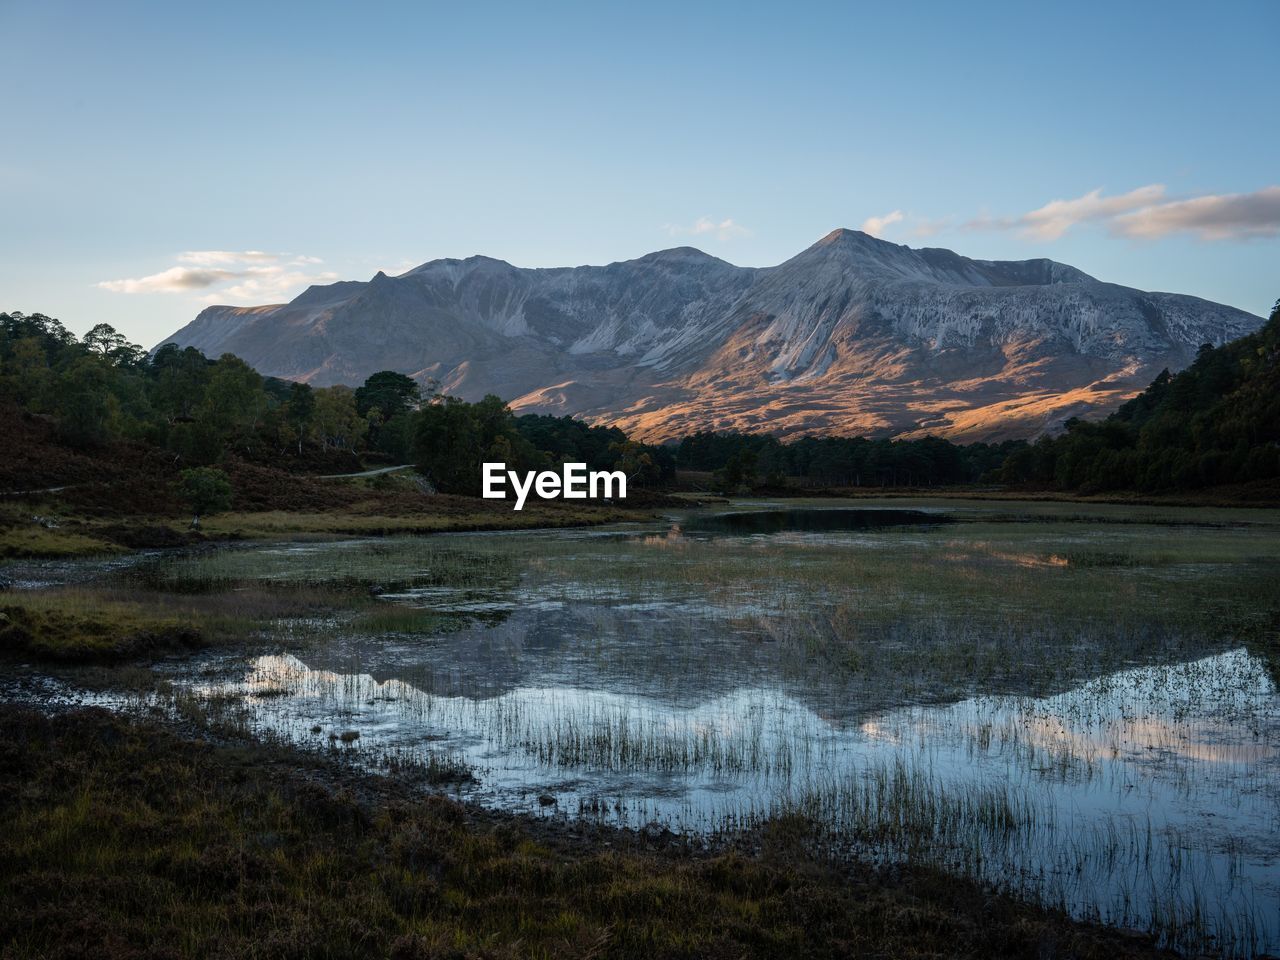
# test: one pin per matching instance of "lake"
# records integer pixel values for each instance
(1074, 703)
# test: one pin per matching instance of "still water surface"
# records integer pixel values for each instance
(1146, 796)
(1076, 704)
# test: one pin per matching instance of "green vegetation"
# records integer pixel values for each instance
(455, 514)
(569, 440)
(1023, 599)
(22, 536)
(34, 626)
(205, 490)
(1215, 423)
(122, 840)
(746, 460)
(99, 411)
(1211, 425)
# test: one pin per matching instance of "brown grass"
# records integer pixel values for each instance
(122, 840)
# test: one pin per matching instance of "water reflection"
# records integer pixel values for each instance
(1135, 790)
(714, 671)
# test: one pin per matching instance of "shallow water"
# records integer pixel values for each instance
(1038, 705)
(1153, 785)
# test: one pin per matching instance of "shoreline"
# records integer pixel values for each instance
(43, 534)
(772, 878)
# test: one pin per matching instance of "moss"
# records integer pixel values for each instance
(107, 634)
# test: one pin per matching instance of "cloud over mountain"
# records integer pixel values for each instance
(239, 276)
(1146, 213)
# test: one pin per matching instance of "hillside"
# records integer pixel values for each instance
(854, 336)
(1217, 422)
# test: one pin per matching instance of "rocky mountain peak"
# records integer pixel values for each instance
(853, 335)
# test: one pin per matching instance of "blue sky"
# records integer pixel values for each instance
(160, 157)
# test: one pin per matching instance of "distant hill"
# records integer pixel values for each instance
(853, 336)
(1217, 422)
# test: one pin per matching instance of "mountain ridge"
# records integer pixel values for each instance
(852, 334)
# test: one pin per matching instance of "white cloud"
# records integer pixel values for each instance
(727, 229)
(1233, 216)
(247, 276)
(875, 225)
(270, 285)
(221, 258)
(1145, 213)
(1057, 216)
(173, 280)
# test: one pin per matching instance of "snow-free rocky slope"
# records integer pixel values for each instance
(852, 336)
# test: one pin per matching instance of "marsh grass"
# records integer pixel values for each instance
(269, 524)
(78, 627)
(934, 613)
(1029, 604)
(389, 618)
(42, 530)
(129, 841)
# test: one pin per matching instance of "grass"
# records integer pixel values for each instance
(989, 604)
(1029, 600)
(275, 506)
(278, 523)
(36, 541)
(122, 840)
(41, 626)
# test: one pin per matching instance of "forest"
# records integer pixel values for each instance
(101, 392)
(1215, 423)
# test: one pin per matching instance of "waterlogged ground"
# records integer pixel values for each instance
(1078, 703)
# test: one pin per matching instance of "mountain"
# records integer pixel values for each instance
(854, 335)
(1215, 423)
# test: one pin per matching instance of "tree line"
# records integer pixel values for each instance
(102, 389)
(740, 460)
(1216, 422)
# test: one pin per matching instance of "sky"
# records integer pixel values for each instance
(158, 158)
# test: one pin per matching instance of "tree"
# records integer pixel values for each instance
(447, 445)
(739, 472)
(300, 409)
(26, 377)
(336, 420)
(634, 460)
(206, 490)
(87, 410)
(179, 377)
(105, 341)
(234, 400)
(390, 392)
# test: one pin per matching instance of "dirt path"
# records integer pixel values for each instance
(364, 473)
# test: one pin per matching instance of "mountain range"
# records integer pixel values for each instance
(852, 336)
